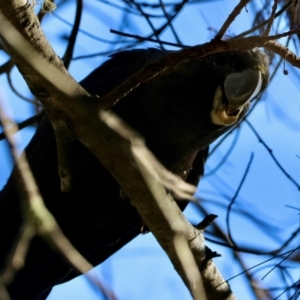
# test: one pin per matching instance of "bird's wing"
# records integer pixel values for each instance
(119, 67)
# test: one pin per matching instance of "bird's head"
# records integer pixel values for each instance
(187, 106)
(245, 76)
(195, 102)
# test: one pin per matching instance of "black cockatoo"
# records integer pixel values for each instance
(179, 113)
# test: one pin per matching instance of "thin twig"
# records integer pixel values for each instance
(84, 32)
(6, 67)
(283, 34)
(222, 139)
(16, 258)
(283, 9)
(227, 154)
(159, 30)
(147, 39)
(147, 18)
(272, 155)
(169, 22)
(261, 263)
(271, 19)
(3, 292)
(218, 231)
(32, 101)
(285, 258)
(72, 39)
(234, 198)
(43, 220)
(248, 250)
(236, 11)
(24, 124)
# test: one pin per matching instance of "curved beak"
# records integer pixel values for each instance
(241, 87)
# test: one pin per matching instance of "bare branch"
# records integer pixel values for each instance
(172, 182)
(168, 19)
(16, 259)
(16, 91)
(24, 124)
(279, 13)
(189, 267)
(236, 11)
(271, 19)
(157, 210)
(40, 217)
(284, 52)
(134, 36)
(72, 39)
(3, 292)
(230, 238)
(273, 156)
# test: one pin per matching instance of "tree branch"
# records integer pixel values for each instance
(38, 218)
(236, 11)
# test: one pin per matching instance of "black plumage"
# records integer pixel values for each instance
(179, 112)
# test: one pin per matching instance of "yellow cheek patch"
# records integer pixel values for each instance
(220, 117)
(218, 113)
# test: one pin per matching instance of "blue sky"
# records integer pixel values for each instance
(141, 270)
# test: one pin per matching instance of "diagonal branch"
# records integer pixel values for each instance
(158, 211)
(271, 19)
(38, 216)
(72, 39)
(231, 18)
(16, 258)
